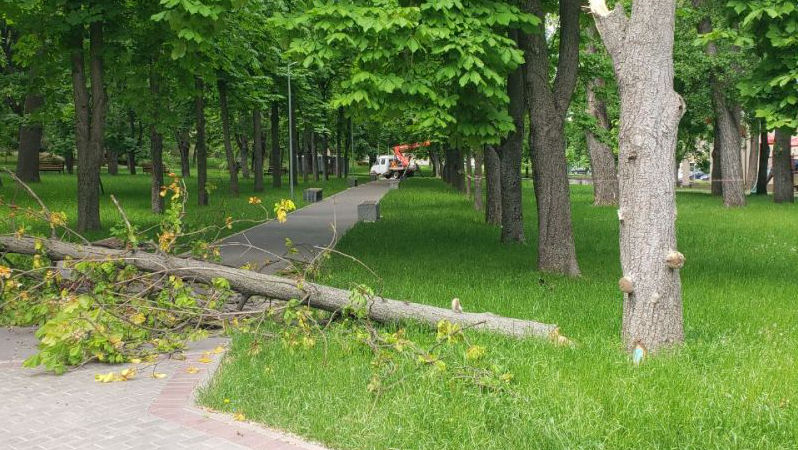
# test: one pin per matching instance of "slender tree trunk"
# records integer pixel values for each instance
(183, 146)
(493, 187)
(314, 160)
(764, 157)
(243, 154)
(276, 159)
(339, 135)
(478, 156)
(602, 160)
(782, 167)
(325, 161)
(510, 154)
(293, 134)
(257, 149)
(548, 105)
(232, 165)
(727, 134)
(349, 149)
(131, 152)
(716, 171)
(89, 151)
(433, 162)
(69, 161)
(200, 150)
(156, 146)
(685, 173)
(641, 47)
(753, 156)
(30, 139)
(469, 173)
(306, 163)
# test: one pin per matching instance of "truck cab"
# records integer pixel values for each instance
(382, 167)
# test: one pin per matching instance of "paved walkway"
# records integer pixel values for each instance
(73, 411)
(316, 225)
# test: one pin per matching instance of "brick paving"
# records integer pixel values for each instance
(39, 410)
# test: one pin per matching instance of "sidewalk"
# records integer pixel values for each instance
(264, 246)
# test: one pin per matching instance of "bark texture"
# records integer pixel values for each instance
(641, 47)
(493, 187)
(131, 152)
(727, 133)
(201, 151)
(716, 171)
(257, 149)
(762, 169)
(510, 155)
(602, 160)
(232, 165)
(183, 146)
(30, 139)
(753, 156)
(548, 106)
(782, 167)
(478, 196)
(249, 282)
(276, 160)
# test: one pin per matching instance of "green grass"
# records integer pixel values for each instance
(59, 193)
(734, 384)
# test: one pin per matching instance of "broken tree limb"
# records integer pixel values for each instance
(253, 283)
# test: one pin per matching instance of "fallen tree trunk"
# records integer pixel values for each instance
(253, 283)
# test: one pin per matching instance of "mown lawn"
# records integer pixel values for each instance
(734, 384)
(133, 192)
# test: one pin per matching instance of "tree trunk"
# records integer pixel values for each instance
(433, 162)
(249, 283)
(782, 167)
(469, 173)
(30, 139)
(349, 149)
(183, 146)
(306, 138)
(716, 171)
(764, 157)
(478, 180)
(727, 134)
(200, 150)
(510, 154)
(548, 107)
(314, 160)
(324, 145)
(685, 173)
(602, 160)
(88, 126)
(293, 134)
(156, 146)
(257, 149)
(131, 152)
(493, 187)
(339, 135)
(753, 156)
(243, 154)
(276, 160)
(232, 165)
(642, 52)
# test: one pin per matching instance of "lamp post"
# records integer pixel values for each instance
(290, 134)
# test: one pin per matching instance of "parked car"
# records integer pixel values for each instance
(699, 175)
(579, 171)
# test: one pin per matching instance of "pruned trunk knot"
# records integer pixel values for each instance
(456, 305)
(674, 260)
(620, 215)
(626, 285)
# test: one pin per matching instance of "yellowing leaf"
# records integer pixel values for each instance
(192, 369)
(135, 360)
(138, 318)
(205, 360)
(158, 375)
(104, 377)
(218, 349)
(239, 417)
(227, 400)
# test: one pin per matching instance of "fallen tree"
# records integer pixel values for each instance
(253, 283)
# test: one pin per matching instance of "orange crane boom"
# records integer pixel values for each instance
(398, 150)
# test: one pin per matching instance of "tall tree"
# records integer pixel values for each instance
(257, 148)
(276, 159)
(201, 149)
(764, 157)
(641, 47)
(232, 165)
(493, 187)
(548, 106)
(510, 154)
(782, 167)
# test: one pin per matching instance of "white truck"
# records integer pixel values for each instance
(397, 165)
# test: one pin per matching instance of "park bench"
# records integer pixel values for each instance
(147, 168)
(313, 195)
(352, 182)
(51, 166)
(368, 211)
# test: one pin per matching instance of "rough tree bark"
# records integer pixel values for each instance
(257, 149)
(156, 147)
(314, 160)
(243, 153)
(510, 155)
(338, 135)
(201, 151)
(716, 171)
(276, 159)
(753, 156)
(30, 139)
(602, 160)
(325, 143)
(548, 106)
(493, 187)
(727, 132)
(641, 47)
(315, 295)
(183, 146)
(131, 152)
(478, 156)
(469, 173)
(764, 157)
(232, 165)
(89, 125)
(293, 134)
(782, 167)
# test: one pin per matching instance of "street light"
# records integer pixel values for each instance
(290, 134)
